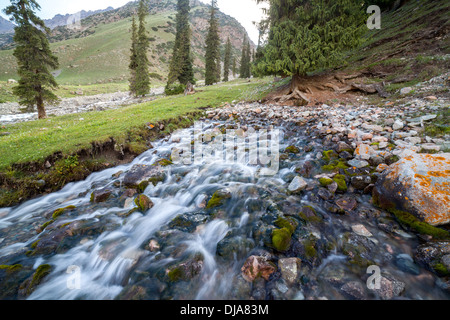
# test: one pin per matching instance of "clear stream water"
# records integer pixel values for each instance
(117, 257)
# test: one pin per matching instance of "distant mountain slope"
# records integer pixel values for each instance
(62, 20)
(98, 52)
(6, 26)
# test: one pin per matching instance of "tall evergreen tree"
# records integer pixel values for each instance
(234, 67)
(212, 55)
(243, 69)
(227, 61)
(33, 55)
(181, 68)
(142, 85)
(306, 35)
(133, 56)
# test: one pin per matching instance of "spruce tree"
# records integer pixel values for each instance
(307, 35)
(34, 58)
(243, 69)
(181, 65)
(142, 85)
(133, 56)
(212, 55)
(234, 67)
(227, 61)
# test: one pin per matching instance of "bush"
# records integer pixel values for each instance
(173, 90)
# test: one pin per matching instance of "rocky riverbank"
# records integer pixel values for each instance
(155, 229)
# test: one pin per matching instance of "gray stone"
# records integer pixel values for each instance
(298, 184)
(358, 163)
(289, 268)
(398, 124)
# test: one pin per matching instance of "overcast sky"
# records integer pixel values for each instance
(245, 11)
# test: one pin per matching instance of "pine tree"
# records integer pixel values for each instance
(133, 56)
(227, 61)
(307, 35)
(33, 55)
(248, 60)
(234, 67)
(142, 85)
(212, 55)
(181, 65)
(244, 64)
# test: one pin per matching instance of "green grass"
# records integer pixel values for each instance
(36, 140)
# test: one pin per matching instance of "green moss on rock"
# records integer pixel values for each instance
(325, 182)
(218, 199)
(11, 269)
(61, 211)
(329, 155)
(292, 149)
(288, 223)
(342, 184)
(143, 202)
(281, 239)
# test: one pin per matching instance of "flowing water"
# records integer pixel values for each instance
(112, 254)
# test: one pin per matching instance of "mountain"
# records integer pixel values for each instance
(6, 26)
(63, 20)
(98, 51)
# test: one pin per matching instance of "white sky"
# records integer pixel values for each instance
(245, 11)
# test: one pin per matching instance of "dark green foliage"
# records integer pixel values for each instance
(245, 60)
(181, 68)
(133, 56)
(308, 35)
(34, 58)
(141, 86)
(212, 55)
(174, 89)
(227, 61)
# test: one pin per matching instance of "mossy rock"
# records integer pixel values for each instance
(163, 163)
(292, 149)
(441, 269)
(30, 285)
(281, 239)
(11, 269)
(325, 182)
(342, 184)
(419, 226)
(309, 214)
(143, 203)
(329, 155)
(218, 199)
(288, 223)
(61, 211)
(335, 165)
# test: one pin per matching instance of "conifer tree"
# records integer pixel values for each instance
(34, 58)
(307, 35)
(244, 64)
(133, 56)
(142, 85)
(181, 68)
(212, 55)
(227, 61)
(234, 67)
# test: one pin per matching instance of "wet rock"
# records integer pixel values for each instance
(430, 253)
(361, 182)
(297, 185)
(355, 290)
(347, 204)
(188, 222)
(358, 163)
(140, 174)
(390, 288)
(235, 247)
(255, 267)
(29, 285)
(418, 184)
(289, 269)
(99, 196)
(143, 203)
(360, 230)
(406, 263)
(219, 198)
(186, 270)
(325, 194)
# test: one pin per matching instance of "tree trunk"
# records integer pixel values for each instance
(41, 109)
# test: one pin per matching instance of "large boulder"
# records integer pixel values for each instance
(141, 174)
(418, 184)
